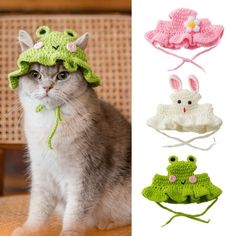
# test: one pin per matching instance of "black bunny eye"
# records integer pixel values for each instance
(179, 101)
(189, 102)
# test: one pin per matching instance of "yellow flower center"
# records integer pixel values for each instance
(191, 24)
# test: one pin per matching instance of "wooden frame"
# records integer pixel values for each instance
(1, 171)
(66, 6)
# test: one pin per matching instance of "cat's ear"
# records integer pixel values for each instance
(25, 40)
(82, 41)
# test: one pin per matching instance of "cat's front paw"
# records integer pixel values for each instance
(106, 225)
(20, 231)
(71, 233)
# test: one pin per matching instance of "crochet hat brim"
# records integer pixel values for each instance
(198, 124)
(162, 191)
(72, 62)
(185, 40)
(173, 34)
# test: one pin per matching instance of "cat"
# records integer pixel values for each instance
(86, 178)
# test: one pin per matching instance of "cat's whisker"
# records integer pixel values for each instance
(66, 101)
(80, 104)
(20, 118)
(73, 111)
(71, 96)
(74, 115)
(16, 107)
(38, 96)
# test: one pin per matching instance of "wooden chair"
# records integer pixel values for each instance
(109, 53)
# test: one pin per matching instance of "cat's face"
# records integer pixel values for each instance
(52, 86)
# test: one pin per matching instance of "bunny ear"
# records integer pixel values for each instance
(193, 83)
(175, 82)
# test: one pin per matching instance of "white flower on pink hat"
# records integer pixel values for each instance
(192, 24)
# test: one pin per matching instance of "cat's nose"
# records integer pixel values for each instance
(47, 88)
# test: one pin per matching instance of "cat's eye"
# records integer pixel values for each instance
(179, 101)
(35, 74)
(62, 75)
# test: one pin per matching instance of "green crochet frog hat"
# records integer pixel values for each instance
(182, 186)
(51, 47)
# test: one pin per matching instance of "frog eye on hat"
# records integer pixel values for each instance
(42, 31)
(191, 158)
(70, 33)
(173, 159)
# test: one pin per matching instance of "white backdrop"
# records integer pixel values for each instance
(150, 86)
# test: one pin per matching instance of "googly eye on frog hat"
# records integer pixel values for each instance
(185, 114)
(185, 30)
(182, 186)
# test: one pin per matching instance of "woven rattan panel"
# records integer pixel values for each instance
(109, 53)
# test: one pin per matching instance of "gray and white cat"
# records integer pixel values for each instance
(86, 178)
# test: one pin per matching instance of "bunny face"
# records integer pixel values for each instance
(185, 100)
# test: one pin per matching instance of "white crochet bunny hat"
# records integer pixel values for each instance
(185, 114)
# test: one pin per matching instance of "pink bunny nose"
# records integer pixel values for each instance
(47, 88)
(184, 110)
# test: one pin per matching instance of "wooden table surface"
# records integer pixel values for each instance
(13, 213)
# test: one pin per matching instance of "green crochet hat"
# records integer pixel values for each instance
(182, 186)
(51, 47)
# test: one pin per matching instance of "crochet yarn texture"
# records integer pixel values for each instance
(58, 119)
(185, 114)
(51, 47)
(185, 30)
(182, 186)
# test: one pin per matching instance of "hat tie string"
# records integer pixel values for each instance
(193, 217)
(188, 142)
(184, 59)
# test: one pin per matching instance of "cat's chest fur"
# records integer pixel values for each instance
(62, 162)
(60, 165)
(39, 125)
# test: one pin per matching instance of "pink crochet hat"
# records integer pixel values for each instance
(185, 30)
